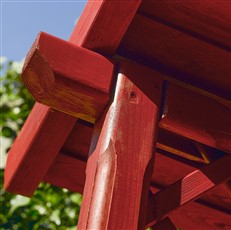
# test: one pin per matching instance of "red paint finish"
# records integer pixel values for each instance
(103, 24)
(197, 216)
(197, 117)
(67, 172)
(121, 165)
(188, 59)
(209, 22)
(189, 188)
(187, 111)
(33, 152)
(68, 78)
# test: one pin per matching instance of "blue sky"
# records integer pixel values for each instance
(21, 21)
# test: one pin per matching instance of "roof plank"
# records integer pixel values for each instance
(209, 22)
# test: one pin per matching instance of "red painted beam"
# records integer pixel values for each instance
(198, 216)
(188, 59)
(67, 172)
(103, 24)
(209, 22)
(84, 38)
(188, 188)
(35, 149)
(186, 111)
(197, 117)
(68, 78)
(119, 157)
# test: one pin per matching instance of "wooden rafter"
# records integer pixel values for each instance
(188, 189)
(94, 29)
(33, 152)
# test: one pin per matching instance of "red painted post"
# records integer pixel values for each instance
(119, 169)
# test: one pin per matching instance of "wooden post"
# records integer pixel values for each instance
(119, 169)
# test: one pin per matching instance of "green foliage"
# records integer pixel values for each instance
(50, 207)
(16, 102)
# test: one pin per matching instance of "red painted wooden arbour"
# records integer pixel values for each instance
(139, 85)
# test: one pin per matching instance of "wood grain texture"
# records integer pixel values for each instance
(197, 117)
(33, 152)
(103, 24)
(121, 165)
(197, 216)
(209, 22)
(182, 56)
(189, 188)
(68, 78)
(185, 111)
(79, 140)
(67, 172)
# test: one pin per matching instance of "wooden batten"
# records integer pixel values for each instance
(68, 78)
(35, 149)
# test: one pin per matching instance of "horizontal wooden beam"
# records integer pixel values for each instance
(197, 117)
(185, 111)
(67, 172)
(103, 24)
(15, 181)
(209, 22)
(35, 149)
(68, 78)
(180, 55)
(188, 188)
(199, 216)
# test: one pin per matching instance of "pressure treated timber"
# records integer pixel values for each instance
(119, 157)
(186, 58)
(197, 117)
(103, 24)
(184, 111)
(188, 188)
(210, 22)
(68, 78)
(197, 216)
(32, 153)
(67, 172)
(178, 145)
(79, 140)
(82, 39)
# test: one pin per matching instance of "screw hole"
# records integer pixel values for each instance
(133, 95)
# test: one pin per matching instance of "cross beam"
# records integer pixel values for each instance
(69, 78)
